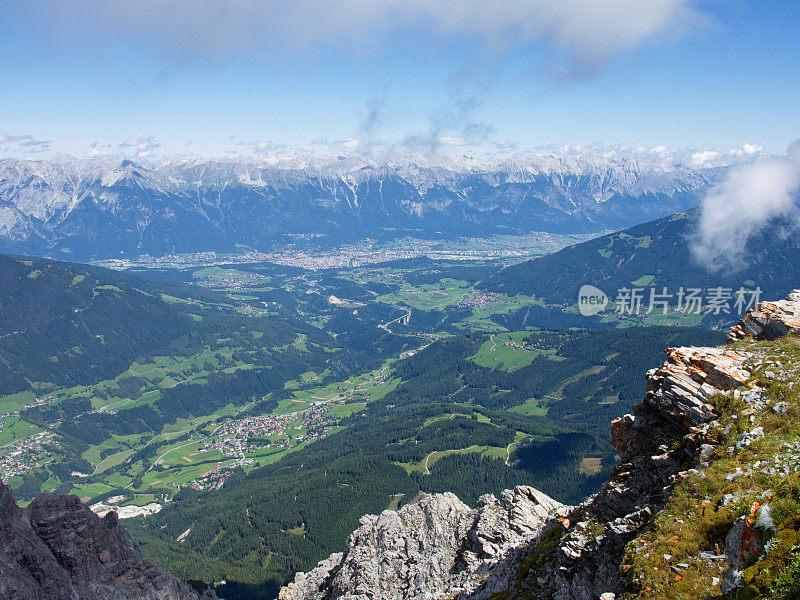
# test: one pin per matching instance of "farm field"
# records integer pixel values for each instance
(507, 351)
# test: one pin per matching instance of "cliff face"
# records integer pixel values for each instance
(57, 549)
(696, 443)
(769, 320)
(429, 549)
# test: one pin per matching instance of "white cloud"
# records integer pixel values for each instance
(262, 147)
(23, 144)
(506, 145)
(590, 31)
(346, 145)
(100, 149)
(751, 197)
(701, 159)
(661, 155)
(140, 147)
(746, 150)
(449, 140)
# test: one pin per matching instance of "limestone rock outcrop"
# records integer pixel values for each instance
(57, 549)
(585, 562)
(432, 548)
(769, 320)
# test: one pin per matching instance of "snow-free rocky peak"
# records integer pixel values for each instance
(57, 549)
(436, 547)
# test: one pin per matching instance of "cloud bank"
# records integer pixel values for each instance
(23, 144)
(139, 147)
(588, 31)
(660, 155)
(752, 196)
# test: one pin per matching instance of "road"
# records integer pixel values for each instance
(156, 461)
(425, 471)
(385, 326)
(494, 343)
(508, 453)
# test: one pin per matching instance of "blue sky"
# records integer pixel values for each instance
(253, 77)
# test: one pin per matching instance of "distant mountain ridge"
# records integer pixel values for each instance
(656, 254)
(104, 207)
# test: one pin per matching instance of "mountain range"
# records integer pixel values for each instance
(83, 209)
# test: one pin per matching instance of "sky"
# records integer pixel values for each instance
(214, 78)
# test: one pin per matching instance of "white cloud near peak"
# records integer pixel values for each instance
(700, 159)
(448, 140)
(140, 147)
(752, 195)
(746, 150)
(26, 144)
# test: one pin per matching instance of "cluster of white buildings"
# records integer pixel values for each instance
(25, 454)
(215, 478)
(478, 300)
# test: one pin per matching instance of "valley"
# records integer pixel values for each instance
(306, 253)
(358, 386)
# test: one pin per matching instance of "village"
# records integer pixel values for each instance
(24, 454)
(248, 435)
(236, 439)
(479, 299)
(45, 400)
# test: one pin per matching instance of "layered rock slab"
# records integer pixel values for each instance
(769, 320)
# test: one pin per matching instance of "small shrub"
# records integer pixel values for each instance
(787, 583)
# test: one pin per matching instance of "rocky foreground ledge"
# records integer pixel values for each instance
(57, 549)
(429, 549)
(616, 544)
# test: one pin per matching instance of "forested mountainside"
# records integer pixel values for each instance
(704, 503)
(450, 424)
(655, 254)
(68, 324)
(80, 209)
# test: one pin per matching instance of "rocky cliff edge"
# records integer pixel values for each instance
(57, 549)
(429, 549)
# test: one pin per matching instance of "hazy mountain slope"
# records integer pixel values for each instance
(107, 207)
(659, 249)
(67, 323)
